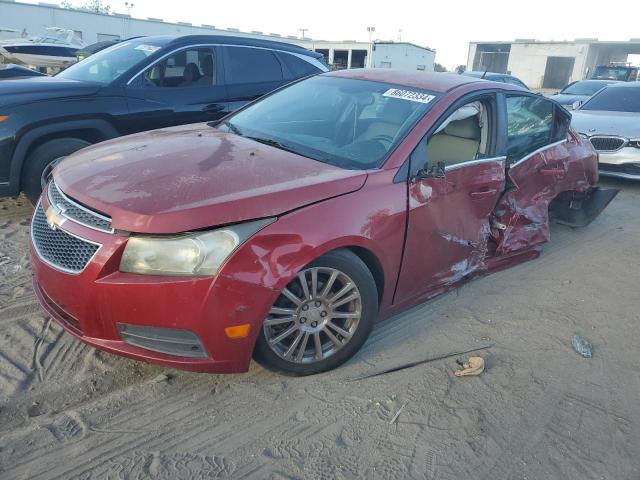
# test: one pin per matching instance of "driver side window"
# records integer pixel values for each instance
(195, 67)
(463, 136)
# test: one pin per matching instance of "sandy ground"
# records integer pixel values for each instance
(539, 411)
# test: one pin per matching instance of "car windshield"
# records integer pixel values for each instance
(108, 64)
(353, 124)
(615, 99)
(612, 73)
(583, 88)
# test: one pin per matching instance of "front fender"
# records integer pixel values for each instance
(372, 218)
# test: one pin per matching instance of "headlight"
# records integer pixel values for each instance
(634, 142)
(199, 253)
(583, 135)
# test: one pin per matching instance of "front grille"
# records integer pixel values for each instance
(607, 144)
(57, 247)
(76, 212)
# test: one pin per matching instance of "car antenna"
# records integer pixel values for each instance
(485, 72)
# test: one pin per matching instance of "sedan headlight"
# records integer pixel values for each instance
(199, 253)
(634, 142)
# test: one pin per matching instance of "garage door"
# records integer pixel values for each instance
(558, 72)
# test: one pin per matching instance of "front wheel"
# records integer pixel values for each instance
(321, 318)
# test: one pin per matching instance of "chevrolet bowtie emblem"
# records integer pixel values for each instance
(54, 217)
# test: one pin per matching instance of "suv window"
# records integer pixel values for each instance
(530, 124)
(514, 81)
(252, 65)
(298, 66)
(194, 67)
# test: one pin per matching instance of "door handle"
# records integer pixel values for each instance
(483, 193)
(213, 108)
(552, 172)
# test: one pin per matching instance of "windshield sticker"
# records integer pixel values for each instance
(408, 95)
(147, 48)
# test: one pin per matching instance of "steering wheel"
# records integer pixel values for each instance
(385, 140)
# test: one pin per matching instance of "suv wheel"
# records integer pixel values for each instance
(322, 318)
(41, 161)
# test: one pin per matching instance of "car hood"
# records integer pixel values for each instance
(564, 99)
(192, 177)
(32, 89)
(594, 122)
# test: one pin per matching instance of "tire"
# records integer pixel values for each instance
(308, 316)
(39, 161)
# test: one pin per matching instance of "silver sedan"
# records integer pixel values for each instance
(611, 121)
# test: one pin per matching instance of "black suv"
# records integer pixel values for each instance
(136, 85)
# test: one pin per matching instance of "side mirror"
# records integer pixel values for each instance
(575, 105)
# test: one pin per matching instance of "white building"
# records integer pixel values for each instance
(95, 27)
(548, 65)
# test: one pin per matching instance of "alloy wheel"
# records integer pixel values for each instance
(316, 315)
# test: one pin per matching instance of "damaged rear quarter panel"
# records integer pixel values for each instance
(521, 219)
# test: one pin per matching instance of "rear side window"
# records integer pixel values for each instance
(298, 66)
(514, 81)
(530, 124)
(252, 65)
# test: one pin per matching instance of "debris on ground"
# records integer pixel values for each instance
(420, 362)
(582, 346)
(474, 366)
(397, 415)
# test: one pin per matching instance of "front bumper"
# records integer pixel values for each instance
(92, 303)
(624, 163)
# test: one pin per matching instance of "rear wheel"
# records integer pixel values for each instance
(322, 318)
(43, 159)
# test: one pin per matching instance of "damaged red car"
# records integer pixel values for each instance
(286, 230)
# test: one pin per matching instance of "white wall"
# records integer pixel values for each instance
(35, 18)
(402, 56)
(528, 61)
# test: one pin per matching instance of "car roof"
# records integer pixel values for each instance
(433, 81)
(180, 40)
(474, 73)
(624, 85)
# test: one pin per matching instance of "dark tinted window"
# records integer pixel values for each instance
(252, 65)
(194, 67)
(514, 81)
(530, 124)
(586, 87)
(298, 66)
(615, 99)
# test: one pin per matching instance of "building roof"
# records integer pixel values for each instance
(433, 81)
(378, 42)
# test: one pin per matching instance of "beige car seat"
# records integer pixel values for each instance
(458, 142)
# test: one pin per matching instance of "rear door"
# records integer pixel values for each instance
(449, 210)
(184, 87)
(539, 167)
(249, 73)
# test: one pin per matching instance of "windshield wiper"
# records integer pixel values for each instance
(273, 143)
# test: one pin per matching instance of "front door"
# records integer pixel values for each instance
(449, 209)
(185, 87)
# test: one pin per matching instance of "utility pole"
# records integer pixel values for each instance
(371, 31)
(303, 30)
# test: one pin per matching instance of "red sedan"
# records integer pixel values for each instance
(284, 231)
